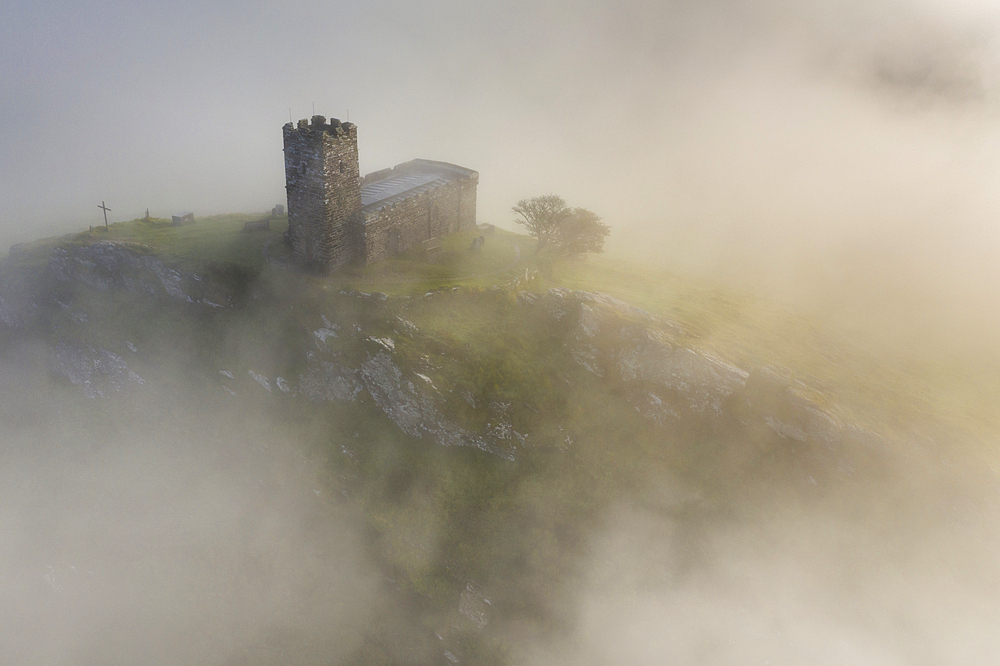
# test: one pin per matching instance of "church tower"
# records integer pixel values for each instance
(323, 182)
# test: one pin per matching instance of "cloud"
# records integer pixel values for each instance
(160, 532)
(865, 576)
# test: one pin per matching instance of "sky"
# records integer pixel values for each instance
(756, 138)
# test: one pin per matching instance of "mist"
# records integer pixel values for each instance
(166, 529)
(775, 146)
(839, 158)
(646, 106)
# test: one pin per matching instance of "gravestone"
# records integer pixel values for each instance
(257, 225)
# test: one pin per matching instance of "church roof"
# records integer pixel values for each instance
(406, 180)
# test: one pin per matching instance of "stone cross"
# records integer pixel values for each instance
(106, 209)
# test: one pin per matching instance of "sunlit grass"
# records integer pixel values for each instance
(839, 368)
(218, 238)
(501, 257)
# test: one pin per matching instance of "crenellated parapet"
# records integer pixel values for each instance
(319, 123)
(323, 182)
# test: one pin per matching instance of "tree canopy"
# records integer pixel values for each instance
(559, 228)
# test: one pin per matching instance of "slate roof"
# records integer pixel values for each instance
(409, 179)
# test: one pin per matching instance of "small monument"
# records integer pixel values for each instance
(182, 218)
(106, 211)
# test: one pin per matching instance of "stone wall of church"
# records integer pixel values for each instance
(394, 228)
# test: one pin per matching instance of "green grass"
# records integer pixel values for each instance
(838, 368)
(218, 238)
(835, 367)
(503, 255)
(500, 352)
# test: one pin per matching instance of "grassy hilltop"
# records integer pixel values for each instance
(479, 548)
(836, 367)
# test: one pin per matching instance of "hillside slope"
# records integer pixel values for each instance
(463, 474)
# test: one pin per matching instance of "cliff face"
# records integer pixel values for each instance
(94, 305)
(480, 438)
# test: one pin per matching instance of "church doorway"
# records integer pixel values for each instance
(393, 246)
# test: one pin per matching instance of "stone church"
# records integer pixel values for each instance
(335, 216)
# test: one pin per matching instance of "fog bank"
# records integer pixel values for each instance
(152, 530)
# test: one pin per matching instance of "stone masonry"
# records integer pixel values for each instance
(336, 217)
(444, 205)
(324, 192)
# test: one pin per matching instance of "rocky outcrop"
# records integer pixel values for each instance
(414, 404)
(668, 381)
(105, 265)
(625, 344)
(18, 302)
(327, 381)
(97, 372)
(694, 380)
(647, 358)
(108, 266)
(790, 415)
(411, 406)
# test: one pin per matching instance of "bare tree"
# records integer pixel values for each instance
(559, 228)
(541, 215)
